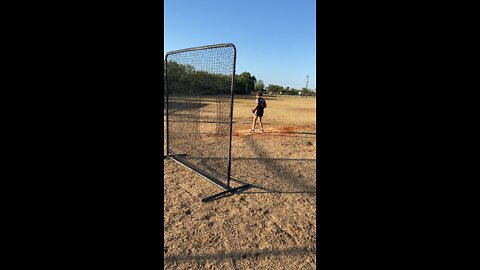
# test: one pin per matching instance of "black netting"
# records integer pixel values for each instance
(199, 93)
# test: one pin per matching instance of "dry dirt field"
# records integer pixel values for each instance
(272, 225)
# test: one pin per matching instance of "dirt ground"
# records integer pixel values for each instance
(272, 225)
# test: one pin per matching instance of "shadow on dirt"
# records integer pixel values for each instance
(179, 106)
(294, 251)
(265, 175)
(275, 175)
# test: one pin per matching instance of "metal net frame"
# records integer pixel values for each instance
(199, 93)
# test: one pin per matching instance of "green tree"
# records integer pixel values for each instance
(244, 83)
(294, 91)
(276, 89)
(260, 86)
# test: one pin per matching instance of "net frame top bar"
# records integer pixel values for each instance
(202, 48)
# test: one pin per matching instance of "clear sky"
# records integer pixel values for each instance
(275, 39)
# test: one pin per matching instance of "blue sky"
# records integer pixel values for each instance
(275, 40)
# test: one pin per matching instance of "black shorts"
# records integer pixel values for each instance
(259, 113)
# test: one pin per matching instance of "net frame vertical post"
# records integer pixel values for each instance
(231, 117)
(166, 103)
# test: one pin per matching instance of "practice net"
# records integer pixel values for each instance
(199, 101)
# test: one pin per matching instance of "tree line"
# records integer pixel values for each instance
(187, 78)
